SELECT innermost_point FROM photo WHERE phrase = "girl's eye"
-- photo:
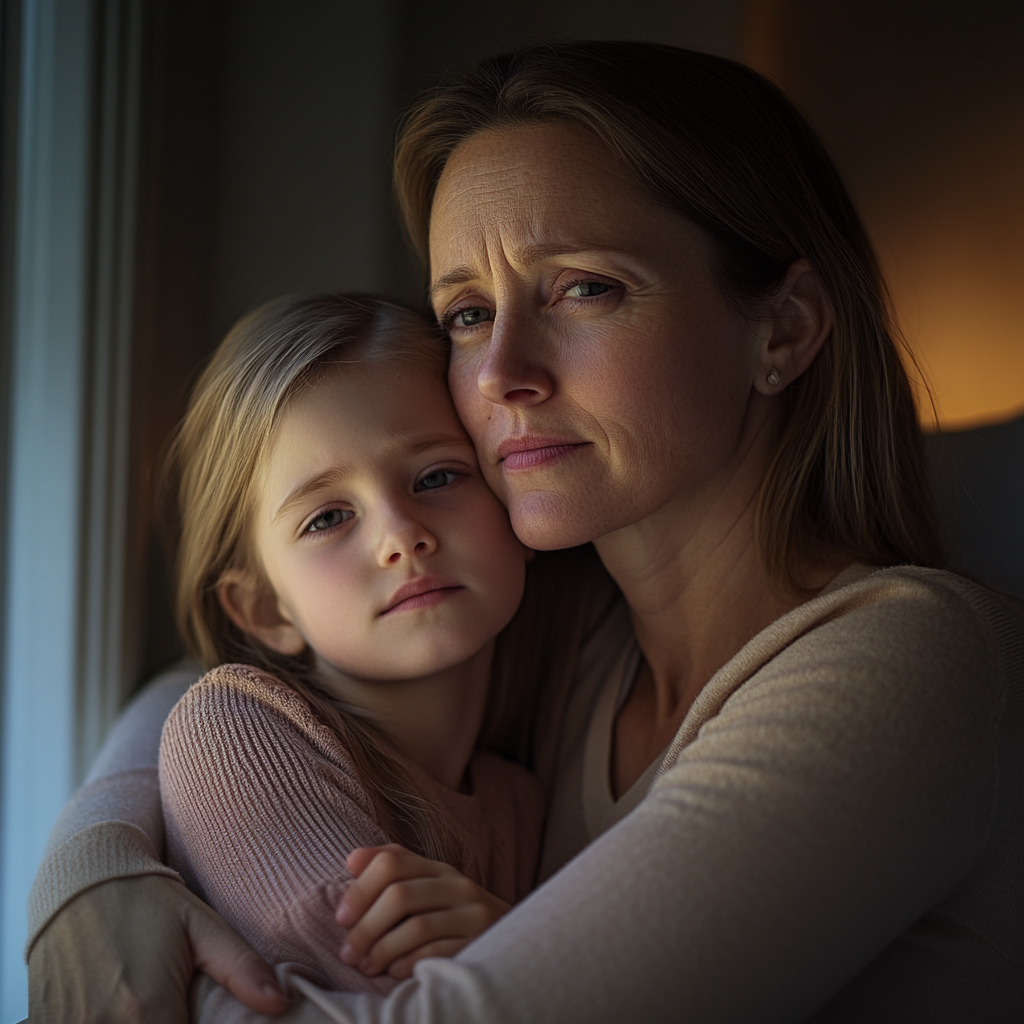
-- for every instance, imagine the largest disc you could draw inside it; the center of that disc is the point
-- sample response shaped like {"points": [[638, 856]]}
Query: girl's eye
{"points": [[587, 289], [326, 520], [471, 316], [439, 478]]}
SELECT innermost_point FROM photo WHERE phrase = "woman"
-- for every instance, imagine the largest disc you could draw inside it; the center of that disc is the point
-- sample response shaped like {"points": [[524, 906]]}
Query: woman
{"points": [[796, 769]]}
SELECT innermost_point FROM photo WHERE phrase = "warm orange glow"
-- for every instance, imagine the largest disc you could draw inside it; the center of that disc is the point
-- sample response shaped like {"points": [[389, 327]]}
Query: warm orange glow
{"points": [[953, 254], [940, 190]]}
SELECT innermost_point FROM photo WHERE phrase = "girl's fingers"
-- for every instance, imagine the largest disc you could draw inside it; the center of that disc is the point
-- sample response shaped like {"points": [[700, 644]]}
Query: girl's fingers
{"points": [[416, 933], [402, 967], [387, 865], [402, 899], [357, 860]]}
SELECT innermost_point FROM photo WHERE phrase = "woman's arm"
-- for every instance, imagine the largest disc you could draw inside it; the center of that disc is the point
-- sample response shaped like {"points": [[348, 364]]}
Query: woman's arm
{"points": [[112, 826], [112, 929], [857, 782]]}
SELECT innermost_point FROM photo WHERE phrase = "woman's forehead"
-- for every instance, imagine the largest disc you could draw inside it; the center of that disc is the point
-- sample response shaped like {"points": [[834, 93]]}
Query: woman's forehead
{"points": [[532, 193], [496, 169], [534, 187]]}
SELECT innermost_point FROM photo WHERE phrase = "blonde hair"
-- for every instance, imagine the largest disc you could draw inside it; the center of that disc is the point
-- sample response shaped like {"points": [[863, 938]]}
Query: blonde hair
{"points": [[714, 142], [214, 465]]}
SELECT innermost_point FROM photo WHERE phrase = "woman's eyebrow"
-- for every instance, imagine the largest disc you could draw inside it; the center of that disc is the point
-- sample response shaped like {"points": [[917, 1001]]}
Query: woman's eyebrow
{"points": [[460, 275], [535, 253], [525, 256]]}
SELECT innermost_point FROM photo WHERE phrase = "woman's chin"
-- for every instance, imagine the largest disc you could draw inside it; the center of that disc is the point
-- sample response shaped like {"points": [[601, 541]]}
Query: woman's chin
{"points": [[548, 522]]}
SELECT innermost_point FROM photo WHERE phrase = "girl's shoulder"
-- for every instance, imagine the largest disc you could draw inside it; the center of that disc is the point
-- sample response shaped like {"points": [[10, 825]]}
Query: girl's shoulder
{"points": [[245, 682], [247, 707]]}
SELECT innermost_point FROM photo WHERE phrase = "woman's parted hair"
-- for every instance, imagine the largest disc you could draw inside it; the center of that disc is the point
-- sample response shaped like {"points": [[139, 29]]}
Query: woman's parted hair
{"points": [[214, 466], [714, 142]]}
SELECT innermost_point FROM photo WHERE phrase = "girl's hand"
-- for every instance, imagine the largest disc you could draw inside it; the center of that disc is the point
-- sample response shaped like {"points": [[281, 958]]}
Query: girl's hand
{"points": [[402, 908]]}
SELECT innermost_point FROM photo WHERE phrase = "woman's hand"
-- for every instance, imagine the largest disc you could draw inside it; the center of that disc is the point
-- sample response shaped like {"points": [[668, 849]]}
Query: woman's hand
{"points": [[124, 952], [402, 908]]}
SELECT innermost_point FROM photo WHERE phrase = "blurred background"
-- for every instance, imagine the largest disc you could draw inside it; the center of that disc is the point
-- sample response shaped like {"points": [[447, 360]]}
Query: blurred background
{"points": [[165, 165]]}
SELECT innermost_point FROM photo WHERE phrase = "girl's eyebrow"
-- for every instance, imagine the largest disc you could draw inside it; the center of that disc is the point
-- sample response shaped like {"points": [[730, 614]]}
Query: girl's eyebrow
{"points": [[396, 445], [307, 487], [424, 444]]}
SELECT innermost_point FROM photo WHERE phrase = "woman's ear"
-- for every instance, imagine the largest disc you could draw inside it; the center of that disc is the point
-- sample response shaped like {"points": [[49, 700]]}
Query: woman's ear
{"points": [[793, 331], [253, 607]]}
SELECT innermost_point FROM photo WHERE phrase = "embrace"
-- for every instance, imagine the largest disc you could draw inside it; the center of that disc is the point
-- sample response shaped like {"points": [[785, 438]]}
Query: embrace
{"points": [[621, 585]]}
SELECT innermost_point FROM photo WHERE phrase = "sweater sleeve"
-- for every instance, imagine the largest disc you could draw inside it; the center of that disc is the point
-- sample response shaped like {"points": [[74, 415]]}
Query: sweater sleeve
{"points": [[262, 806], [112, 827], [861, 776]]}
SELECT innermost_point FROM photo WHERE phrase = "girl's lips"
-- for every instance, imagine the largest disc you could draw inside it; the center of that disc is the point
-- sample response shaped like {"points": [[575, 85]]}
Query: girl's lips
{"points": [[421, 593], [424, 600], [529, 452]]}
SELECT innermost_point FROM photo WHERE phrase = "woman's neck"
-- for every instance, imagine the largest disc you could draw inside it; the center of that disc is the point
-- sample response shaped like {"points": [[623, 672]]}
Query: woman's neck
{"points": [[698, 591], [432, 721]]}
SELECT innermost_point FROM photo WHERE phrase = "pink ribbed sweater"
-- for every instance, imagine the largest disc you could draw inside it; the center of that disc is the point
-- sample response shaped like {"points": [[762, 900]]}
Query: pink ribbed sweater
{"points": [[262, 806]]}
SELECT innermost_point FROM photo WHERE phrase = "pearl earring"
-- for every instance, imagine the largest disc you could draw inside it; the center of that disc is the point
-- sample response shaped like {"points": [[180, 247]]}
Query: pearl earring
{"points": [[774, 377]]}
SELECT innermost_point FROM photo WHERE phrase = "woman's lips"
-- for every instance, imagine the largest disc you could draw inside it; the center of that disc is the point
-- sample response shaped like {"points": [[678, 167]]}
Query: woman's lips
{"points": [[421, 593], [530, 452]]}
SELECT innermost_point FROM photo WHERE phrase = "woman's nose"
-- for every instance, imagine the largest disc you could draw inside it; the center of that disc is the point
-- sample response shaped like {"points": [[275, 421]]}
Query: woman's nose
{"points": [[514, 366]]}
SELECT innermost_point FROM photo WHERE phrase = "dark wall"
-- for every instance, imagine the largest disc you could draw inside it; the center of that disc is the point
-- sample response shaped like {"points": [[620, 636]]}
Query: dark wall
{"points": [[922, 103]]}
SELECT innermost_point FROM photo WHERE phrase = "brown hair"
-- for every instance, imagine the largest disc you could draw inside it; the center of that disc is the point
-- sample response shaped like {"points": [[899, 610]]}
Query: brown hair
{"points": [[717, 144], [214, 465]]}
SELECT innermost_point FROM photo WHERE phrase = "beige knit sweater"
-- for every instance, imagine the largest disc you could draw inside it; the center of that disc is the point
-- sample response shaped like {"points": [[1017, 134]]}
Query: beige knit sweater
{"points": [[836, 834], [262, 806]]}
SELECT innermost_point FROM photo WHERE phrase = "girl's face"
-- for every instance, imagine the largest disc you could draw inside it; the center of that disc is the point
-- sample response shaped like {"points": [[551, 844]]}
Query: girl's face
{"points": [[594, 361], [384, 546]]}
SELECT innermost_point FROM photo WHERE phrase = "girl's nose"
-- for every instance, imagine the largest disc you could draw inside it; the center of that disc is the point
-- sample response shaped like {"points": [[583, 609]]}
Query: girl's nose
{"points": [[405, 537]]}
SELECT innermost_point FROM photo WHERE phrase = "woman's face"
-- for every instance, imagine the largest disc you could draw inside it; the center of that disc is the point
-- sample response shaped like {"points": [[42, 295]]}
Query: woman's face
{"points": [[595, 363]]}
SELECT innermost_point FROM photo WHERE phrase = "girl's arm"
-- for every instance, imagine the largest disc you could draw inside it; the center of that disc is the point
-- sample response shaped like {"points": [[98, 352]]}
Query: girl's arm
{"points": [[111, 928], [269, 822], [263, 809]]}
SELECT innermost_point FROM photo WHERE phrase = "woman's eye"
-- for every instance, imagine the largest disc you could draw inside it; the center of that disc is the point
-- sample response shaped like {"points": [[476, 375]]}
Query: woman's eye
{"points": [[587, 289], [472, 316], [326, 520], [439, 478]]}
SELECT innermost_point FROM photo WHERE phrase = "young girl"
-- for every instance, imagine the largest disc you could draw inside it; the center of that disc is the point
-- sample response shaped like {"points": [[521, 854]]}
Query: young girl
{"points": [[343, 562]]}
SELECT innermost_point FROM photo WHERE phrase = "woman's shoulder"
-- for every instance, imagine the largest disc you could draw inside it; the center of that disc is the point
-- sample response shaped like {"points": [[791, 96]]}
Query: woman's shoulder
{"points": [[913, 649], [921, 653], [927, 609]]}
